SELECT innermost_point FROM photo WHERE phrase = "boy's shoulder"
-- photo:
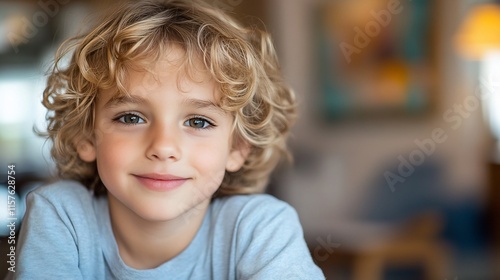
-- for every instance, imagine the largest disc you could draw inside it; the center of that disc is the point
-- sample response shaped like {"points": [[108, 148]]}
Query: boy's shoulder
{"points": [[63, 191], [63, 187], [253, 207], [249, 200]]}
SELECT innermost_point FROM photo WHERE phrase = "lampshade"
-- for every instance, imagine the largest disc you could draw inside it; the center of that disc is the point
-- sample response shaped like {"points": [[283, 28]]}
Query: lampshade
{"points": [[480, 32]]}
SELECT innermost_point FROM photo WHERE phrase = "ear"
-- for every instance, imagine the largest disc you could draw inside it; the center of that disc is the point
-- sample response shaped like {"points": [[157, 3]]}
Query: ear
{"points": [[86, 150], [237, 157]]}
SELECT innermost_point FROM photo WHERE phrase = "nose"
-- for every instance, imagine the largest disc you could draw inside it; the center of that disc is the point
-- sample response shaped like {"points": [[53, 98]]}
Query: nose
{"points": [[164, 143]]}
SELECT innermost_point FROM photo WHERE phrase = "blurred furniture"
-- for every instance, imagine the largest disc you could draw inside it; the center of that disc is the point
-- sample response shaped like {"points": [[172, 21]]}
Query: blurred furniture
{"points": [[415, 209], [392, 232], [417, 244], [414, 249]]}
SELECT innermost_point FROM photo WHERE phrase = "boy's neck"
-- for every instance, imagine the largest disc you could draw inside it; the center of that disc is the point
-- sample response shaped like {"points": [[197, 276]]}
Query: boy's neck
{"points": [[144, 244]]}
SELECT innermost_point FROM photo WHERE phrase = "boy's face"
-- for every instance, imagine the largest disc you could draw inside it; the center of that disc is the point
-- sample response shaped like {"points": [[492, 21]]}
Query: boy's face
{"points": [[162, 153]]}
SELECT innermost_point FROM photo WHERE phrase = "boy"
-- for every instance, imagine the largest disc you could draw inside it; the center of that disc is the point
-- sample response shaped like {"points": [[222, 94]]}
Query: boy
{"points": [[165, 124]]}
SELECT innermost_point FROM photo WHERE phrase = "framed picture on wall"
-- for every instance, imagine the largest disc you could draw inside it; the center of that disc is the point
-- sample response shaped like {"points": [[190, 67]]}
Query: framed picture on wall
{"points": [[375, 58]]}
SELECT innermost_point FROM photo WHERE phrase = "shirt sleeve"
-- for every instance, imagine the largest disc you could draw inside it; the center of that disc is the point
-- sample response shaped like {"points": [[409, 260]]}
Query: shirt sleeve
{"points": [[272, 244], [47, 247]]}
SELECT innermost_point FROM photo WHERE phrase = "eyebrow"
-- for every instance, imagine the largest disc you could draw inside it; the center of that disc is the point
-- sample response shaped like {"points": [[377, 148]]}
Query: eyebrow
{"points": [[204, 104], [196, 103], [124, 99]]}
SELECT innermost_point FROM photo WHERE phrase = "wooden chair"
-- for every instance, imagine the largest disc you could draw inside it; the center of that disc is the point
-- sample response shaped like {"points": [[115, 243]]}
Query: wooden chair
{"points": [[417, 244]]}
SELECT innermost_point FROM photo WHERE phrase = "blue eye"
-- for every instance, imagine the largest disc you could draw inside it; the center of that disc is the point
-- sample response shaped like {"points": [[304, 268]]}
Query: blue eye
{"points": [[130, 119], [198, 123]]}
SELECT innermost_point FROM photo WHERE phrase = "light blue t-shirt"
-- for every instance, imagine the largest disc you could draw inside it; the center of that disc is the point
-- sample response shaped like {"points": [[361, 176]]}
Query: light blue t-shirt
{"points": [[67, 234]]}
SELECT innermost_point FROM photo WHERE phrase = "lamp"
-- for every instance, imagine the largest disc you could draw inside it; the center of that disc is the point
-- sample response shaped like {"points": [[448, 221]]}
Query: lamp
{"points": [[480, 32]]}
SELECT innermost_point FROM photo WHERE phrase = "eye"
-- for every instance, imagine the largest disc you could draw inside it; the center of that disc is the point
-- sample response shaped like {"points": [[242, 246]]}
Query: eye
{"points": [[198, 123], [130, 119]]}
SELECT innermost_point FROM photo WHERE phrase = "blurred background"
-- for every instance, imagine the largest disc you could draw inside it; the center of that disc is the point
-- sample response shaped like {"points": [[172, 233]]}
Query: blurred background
{"points": [[397, 163]]}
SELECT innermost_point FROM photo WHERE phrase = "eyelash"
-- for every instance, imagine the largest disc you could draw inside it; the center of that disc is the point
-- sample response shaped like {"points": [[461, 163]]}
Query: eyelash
{"points": [[119, 119], [208, 124]]}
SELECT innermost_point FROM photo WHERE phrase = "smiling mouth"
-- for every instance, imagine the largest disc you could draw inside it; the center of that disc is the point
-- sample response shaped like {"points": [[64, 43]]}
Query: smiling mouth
{"points": [[157, 182]]}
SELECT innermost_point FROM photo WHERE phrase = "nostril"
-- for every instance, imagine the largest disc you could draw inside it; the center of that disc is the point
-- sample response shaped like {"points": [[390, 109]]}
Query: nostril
{"points": [[164, 140]]}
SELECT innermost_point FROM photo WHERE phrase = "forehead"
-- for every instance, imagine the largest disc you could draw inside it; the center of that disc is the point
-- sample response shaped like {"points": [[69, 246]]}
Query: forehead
{"points": [[175, 62], [175, 67]]}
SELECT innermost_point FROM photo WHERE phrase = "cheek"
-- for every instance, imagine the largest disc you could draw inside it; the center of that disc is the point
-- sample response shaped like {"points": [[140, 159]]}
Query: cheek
{"points": [[113, 154], [210, 161], [210, 155]]}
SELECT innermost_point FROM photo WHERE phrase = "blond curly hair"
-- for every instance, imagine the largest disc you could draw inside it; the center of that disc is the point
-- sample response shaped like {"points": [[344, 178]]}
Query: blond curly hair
{"points": [[242, 61]]}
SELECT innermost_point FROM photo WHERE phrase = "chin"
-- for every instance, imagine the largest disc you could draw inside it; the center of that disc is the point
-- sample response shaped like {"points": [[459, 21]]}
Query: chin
{"points": [[159, 215]]}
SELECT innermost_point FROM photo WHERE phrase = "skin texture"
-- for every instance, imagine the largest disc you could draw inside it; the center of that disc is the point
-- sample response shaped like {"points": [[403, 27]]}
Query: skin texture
{"points": [[170, 127]]}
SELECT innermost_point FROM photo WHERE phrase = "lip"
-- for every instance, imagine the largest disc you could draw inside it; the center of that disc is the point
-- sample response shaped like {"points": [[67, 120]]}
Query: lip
{"points": [[160, 182]]}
